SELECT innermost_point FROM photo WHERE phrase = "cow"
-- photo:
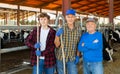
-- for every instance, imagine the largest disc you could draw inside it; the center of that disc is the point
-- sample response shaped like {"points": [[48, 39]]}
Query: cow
{"points": [[4, 37], [1, 39], [107, 50], [114, 35], [12, 35], [22, 35]]}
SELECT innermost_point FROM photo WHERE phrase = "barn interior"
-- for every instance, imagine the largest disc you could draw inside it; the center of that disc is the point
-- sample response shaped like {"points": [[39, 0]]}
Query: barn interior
{"points": [[18, 16]]}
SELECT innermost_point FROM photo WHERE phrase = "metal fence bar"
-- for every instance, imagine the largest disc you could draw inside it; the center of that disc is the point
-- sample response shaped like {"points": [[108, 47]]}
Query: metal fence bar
{"points": [[6, 50]]}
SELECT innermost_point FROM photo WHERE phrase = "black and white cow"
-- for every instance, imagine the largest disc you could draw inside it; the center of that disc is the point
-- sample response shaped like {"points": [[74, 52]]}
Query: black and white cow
{"points": [[1, 39], [107, 50], [13, 36], [3, 36], [114, 35], [23, 35]]}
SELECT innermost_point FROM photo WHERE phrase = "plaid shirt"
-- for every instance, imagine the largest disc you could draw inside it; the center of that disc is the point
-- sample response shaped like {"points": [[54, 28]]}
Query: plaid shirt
{"points": [[49, 50], [70, 42]]}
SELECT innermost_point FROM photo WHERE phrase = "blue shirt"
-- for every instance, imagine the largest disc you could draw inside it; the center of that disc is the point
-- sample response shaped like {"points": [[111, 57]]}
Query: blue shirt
{"points": [[91, 46]]}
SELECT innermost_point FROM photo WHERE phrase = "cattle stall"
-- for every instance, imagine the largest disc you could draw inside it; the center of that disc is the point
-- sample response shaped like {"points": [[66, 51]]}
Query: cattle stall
{"points": [[14, 54]]}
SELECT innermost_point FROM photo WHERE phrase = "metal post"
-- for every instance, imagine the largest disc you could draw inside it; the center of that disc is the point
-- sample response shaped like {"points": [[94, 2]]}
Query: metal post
{"points": [[111, 11], [18, 15], [81, 21], [66, 4], [0, 54]]}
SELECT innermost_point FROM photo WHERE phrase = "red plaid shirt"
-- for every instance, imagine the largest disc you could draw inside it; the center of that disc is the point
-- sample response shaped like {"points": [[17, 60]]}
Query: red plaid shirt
{"points": [[49, 52]]}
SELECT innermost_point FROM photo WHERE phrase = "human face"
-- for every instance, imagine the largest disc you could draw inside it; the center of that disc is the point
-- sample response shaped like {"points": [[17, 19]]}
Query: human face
{"points": [[43, 21], [70, 19], [91, 27]]}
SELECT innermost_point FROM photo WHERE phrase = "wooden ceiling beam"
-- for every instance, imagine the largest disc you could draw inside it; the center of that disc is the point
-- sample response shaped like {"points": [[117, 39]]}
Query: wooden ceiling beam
{"points": [[60, 7], [19, 2], [15, 2], [116, 2], [76, 1], [57, 8], [81, 6], [89, 3], [45, 4], [117, 12]]}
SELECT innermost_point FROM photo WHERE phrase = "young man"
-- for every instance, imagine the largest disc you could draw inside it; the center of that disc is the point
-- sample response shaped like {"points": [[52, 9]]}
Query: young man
{"points": [[46, 46], [70, 35], [91, 45]]}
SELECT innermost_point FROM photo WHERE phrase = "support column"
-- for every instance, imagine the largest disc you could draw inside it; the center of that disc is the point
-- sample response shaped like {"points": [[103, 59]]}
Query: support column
{"points": [[15, 19], [111, 12], [66, 4], [38, 18], [0, 54], [18, 15], [35, 18], [27, 17], [40, 10], [23, 18], [8, 19], [81, 21], [56, 13], [5, 19]]}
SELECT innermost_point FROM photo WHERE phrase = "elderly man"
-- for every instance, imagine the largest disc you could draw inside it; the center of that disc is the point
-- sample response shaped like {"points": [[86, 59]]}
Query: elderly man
{"points": [[71, 33], [91, 45]]}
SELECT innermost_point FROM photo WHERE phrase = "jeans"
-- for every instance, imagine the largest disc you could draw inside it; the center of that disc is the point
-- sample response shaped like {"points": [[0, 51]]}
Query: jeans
{"points": [[42, 69], [70, 66], [92, 67]]}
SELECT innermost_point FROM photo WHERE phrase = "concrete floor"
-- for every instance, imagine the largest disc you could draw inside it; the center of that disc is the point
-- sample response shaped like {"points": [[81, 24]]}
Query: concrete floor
{"points": [[109, 67]]}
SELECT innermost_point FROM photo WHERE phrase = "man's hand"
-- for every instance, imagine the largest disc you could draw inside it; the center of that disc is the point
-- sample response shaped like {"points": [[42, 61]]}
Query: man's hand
{"points": [[59, 32], [37, 45], [38, 52], [76, 60]]}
